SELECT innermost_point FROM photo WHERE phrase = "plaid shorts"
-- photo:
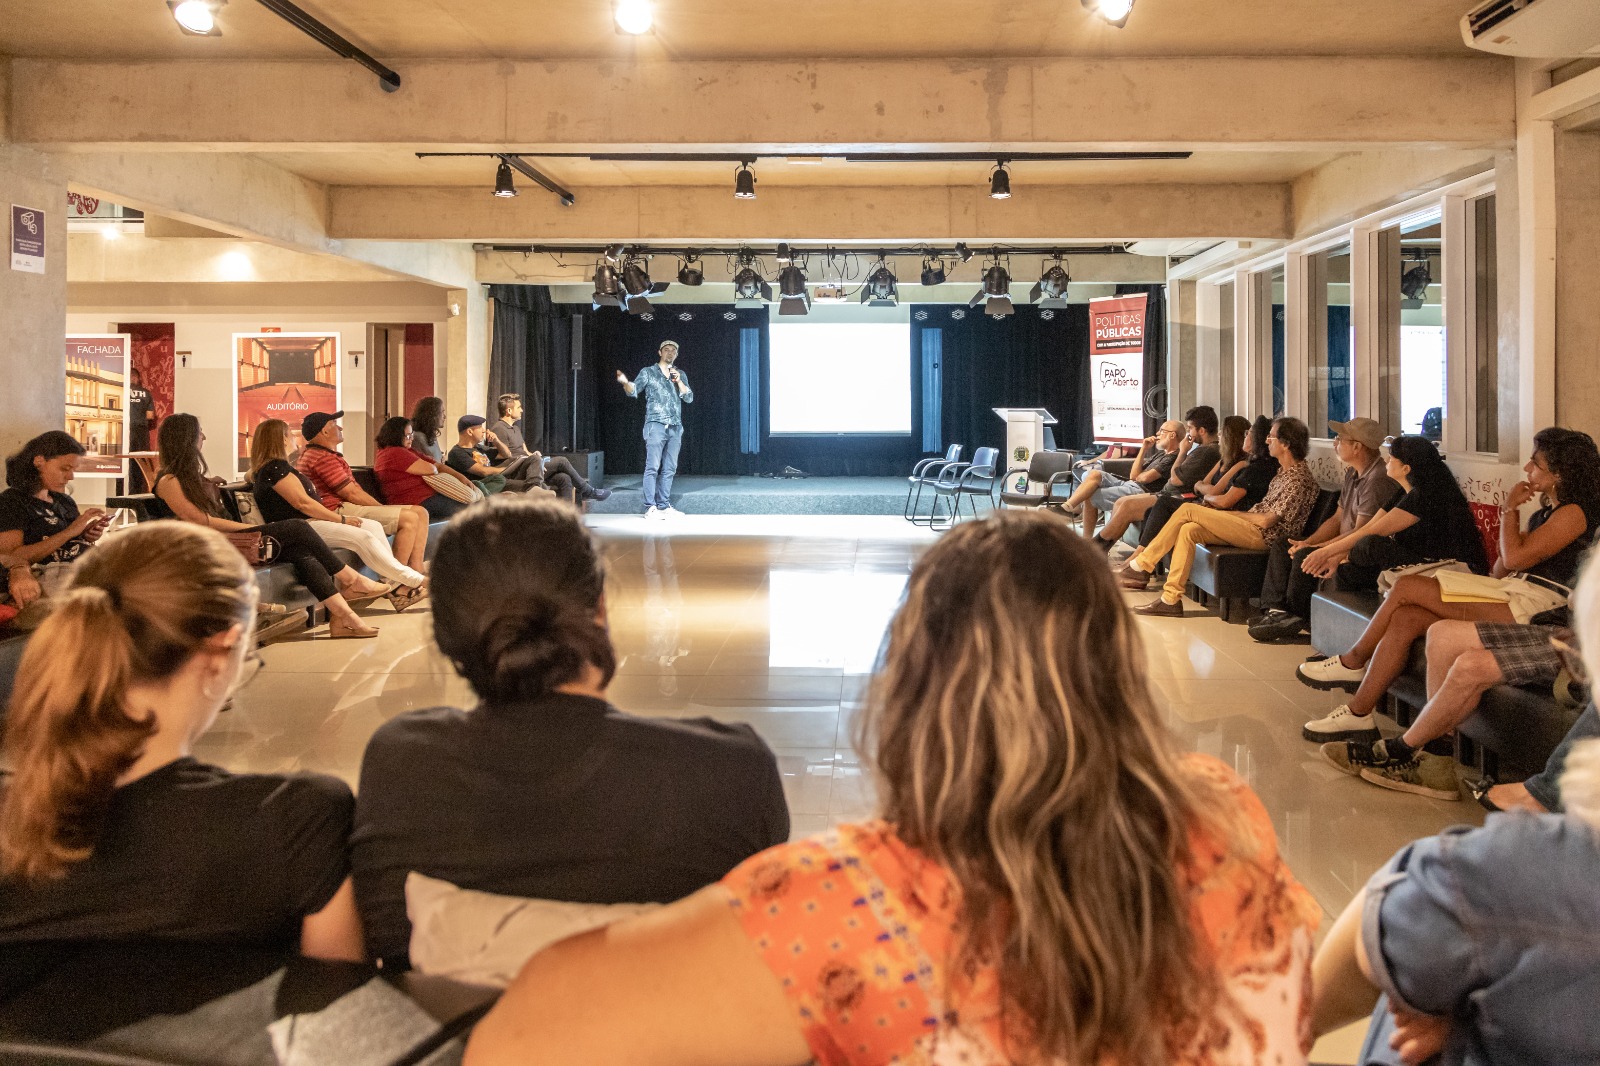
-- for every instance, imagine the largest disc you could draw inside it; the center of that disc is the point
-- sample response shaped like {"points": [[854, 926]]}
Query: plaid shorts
{"points": [[1524, 654]]}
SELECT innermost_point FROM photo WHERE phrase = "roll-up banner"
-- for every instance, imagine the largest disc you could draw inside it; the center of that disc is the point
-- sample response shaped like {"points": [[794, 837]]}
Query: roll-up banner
{"points": [[1116, 377], [97, 400], [283, 375]]}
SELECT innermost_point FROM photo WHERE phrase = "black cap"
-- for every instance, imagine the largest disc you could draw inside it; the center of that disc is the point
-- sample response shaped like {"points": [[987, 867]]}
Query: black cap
{"points": [[316, 421], [465, 422]]}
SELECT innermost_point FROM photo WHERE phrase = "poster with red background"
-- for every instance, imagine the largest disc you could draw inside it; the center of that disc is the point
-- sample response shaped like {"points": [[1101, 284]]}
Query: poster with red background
{"points": [[285, 376], [1116, 375]]}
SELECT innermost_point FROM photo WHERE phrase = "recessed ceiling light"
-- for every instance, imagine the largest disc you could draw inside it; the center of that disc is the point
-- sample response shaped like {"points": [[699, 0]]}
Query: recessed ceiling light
{"points": [[1115, 12], [633, 16], [197, 18]]}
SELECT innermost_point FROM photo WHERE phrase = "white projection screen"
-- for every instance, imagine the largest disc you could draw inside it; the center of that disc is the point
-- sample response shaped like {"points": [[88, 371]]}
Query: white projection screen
{"points": [[841, 369]]}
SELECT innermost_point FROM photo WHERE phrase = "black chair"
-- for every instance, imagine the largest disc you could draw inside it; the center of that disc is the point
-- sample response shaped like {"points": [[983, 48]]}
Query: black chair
{"points": [[964, 481], [926, 472], [1048, 469]]}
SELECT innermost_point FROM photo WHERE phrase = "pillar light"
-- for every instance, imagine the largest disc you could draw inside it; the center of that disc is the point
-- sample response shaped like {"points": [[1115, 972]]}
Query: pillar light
{"points": [[504, 186], [744, 182], [197, 18], [1000, 181]]}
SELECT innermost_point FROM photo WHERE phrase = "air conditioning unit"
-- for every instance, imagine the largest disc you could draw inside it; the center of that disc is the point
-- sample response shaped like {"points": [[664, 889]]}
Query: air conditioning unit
{"points": [[1543, 29]]}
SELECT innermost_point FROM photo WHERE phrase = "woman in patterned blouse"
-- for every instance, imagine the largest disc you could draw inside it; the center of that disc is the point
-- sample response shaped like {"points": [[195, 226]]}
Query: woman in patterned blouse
{"points": [[1049, 880]]}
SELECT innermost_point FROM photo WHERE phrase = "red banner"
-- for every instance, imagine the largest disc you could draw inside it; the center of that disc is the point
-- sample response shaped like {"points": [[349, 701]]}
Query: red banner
{"points": [[1116, 367], [285, 376]]}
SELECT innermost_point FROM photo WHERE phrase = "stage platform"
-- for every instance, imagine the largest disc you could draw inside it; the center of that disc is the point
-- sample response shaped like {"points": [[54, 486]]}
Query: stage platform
{"points": [[764, 495]]}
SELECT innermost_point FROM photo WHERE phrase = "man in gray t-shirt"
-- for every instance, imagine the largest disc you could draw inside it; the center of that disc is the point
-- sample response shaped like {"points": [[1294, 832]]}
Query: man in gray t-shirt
{"points": [[556, 470]]}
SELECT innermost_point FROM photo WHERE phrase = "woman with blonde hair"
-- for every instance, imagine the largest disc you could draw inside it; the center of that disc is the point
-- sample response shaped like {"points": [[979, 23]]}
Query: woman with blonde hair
{"points": [[1049, 879], [109, 828], [1483, 940], [284, 494]]}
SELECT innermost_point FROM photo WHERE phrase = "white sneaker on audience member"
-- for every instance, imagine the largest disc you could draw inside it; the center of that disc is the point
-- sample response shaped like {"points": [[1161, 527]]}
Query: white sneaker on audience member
{"points": [[1330, 673], [1341, 725]]}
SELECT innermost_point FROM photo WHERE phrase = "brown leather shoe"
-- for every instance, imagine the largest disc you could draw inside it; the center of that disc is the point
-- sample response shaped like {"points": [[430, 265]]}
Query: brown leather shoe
{"points": [[1160, 608], [1129, 578]]}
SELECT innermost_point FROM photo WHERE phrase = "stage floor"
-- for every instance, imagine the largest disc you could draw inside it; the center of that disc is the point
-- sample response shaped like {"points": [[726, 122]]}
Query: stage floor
{"points": [[764, 495]]}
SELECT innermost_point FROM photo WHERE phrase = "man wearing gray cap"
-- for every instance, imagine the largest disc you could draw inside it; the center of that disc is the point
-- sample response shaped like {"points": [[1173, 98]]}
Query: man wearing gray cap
{"points": [[665, 389]]}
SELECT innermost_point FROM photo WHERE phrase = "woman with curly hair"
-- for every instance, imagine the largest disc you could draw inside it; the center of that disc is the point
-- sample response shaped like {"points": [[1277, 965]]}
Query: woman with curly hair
{"points": [[1535, 572]]}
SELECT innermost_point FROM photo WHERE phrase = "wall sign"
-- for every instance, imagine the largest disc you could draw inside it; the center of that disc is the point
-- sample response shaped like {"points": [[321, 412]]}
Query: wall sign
{"points": [[27, 239], [1116, 374], [97, 400]]}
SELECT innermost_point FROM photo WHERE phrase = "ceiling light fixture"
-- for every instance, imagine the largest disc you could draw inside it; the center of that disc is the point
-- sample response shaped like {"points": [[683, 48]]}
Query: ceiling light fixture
{"points": [[504, 185], [794, 299], [1051, 288], [1115, 12], [633, 16], [331, 39], [637, 285], [963, 252], [197, 18], [784, 256], [1000, 181], [1414, 285], [607, 289], [932, 270], [881, 289], [748, 284], [613, 252], [744, 181], [689, 271], [996, 292]]}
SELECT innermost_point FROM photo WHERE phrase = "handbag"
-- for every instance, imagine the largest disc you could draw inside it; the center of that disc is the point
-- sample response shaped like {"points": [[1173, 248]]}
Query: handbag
{"points": [[1387, 579], [257, 548], [453, 488]]}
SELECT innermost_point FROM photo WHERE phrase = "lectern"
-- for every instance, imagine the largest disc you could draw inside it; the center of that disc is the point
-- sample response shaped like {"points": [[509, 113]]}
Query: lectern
{"points": [[1024, 436]]}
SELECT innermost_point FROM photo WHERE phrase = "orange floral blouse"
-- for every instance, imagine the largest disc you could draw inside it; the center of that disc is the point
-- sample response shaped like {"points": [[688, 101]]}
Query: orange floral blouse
{"points": [[859, 929]]}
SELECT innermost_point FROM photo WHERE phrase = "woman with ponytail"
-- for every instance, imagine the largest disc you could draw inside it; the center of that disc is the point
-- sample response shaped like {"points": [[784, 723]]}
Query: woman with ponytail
{"points": [[1050, 881], [544, 789], [109, 828]]}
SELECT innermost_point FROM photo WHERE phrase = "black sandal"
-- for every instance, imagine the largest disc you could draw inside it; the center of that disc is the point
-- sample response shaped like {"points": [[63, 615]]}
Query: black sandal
{"points": [[1480, 792]]}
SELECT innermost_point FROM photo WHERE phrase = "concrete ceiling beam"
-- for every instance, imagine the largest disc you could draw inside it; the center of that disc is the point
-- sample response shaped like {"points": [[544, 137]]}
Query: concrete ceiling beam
{"points": [[1354, 185], [791, 106], [859, 216]]}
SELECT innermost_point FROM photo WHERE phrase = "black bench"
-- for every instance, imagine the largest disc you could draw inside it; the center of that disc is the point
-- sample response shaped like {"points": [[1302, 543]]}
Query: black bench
{"points": [[1233, 576]]}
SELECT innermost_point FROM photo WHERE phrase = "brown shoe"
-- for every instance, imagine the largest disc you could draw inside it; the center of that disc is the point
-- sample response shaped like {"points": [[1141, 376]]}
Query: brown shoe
{"points": [[1160, 608], [1136, 580]]}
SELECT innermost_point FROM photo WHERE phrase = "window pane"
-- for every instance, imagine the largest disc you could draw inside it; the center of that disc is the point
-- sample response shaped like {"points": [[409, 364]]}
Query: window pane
{"points": [[1331, 341], [1276, 282], [1416, 377], [1484, 319]]}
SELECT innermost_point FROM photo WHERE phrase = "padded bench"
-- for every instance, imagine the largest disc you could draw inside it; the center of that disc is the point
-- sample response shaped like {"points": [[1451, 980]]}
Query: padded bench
{"points": [[1233, 576], [1514, 728]]}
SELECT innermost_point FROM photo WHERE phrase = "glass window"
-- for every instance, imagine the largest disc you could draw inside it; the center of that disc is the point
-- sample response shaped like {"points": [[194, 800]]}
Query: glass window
{"points": [[1483, 320], [1226, 359], [1411, 352], [1331, 339]]}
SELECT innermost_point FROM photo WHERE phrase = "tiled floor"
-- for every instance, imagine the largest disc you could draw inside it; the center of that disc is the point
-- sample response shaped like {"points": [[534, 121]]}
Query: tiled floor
{"points": [[775, 622]]}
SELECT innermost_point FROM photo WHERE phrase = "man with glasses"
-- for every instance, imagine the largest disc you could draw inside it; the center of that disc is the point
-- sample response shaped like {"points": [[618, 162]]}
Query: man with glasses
{"points": [[1286, 592]]}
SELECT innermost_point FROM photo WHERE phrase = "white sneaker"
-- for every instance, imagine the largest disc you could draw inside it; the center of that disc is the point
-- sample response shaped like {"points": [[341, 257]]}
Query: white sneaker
{"points": [[653, 513], [1341, 725], [1330, 673], [670, 512]]}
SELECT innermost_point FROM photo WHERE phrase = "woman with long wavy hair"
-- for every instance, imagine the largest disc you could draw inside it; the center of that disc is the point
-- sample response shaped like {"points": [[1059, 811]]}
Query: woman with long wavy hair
{"points": [[1049, 880]]}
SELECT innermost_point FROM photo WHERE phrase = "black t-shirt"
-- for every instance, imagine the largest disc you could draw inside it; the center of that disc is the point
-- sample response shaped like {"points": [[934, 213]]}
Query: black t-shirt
{"points": [[464, 459], [273, 507], [1562, 567], [562, 798], [1444, 529], [140, 408], [1256, 476], [39, 519], [1161, 462], [192, 852], [1194, 466]]}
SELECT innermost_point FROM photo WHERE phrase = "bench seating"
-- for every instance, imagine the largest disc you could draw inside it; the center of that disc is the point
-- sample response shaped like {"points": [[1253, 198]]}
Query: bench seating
{"points": [[1513, 730]]}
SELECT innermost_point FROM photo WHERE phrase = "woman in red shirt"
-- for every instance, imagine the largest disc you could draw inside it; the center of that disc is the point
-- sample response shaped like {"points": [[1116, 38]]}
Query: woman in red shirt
{"points": [[401, 471]]}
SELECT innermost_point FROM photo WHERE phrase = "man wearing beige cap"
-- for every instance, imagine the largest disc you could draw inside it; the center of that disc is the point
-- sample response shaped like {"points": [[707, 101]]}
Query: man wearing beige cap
{"points": [[1286, 592], [665, 389]]}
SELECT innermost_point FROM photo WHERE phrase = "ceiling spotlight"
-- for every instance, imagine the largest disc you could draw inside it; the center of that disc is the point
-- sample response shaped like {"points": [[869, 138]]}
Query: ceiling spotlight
{"points": [[784, 256], [613, 252], [1000, 181], [932, 270], [963, 252], [1414, 285], [503, 185], [1051, 288], [633, 16], [197, 18], [607, 289], [880, 289], [792, 290], [748, 284], [689, 271], [1115, 12], [996, 292], [637, 285], [744, 182]]}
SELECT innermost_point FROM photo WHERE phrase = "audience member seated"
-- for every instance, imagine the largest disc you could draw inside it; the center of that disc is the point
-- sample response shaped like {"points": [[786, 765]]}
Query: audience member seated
{"points": [[1483, 940], [556, 470], [402, 473], [1288, 587], [1196, 456], [284, 494], [109, 828], [1535, 570], [427, 423], [41, 529], [1238, 482], [1049, 880], [1281, 513], [334, 483], [1099, 489], [1230, 460], [192, 496], [471, 457], [545, 790], [1541, 793]]}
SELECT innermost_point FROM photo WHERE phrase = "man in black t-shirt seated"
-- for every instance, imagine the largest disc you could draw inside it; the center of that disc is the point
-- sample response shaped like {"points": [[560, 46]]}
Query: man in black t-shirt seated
{"points": [[471, 456]]}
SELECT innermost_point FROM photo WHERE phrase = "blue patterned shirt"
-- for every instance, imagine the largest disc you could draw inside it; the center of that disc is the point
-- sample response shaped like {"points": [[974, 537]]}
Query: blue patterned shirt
{"points": [[661, 400]]}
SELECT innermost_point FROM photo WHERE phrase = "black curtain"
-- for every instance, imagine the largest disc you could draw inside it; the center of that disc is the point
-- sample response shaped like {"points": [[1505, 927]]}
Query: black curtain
{"points": [[1034, 357], [530, 353], [1155, 353]]}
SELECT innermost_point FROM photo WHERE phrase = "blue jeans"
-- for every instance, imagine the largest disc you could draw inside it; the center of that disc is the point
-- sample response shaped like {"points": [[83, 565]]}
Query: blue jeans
{"points": [[661, 443], [1545, 786]]}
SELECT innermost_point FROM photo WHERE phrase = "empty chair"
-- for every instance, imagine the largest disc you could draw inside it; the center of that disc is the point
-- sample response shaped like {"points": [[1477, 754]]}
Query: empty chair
{"points": [[926, 472], [972, 480], [1047, 469]]}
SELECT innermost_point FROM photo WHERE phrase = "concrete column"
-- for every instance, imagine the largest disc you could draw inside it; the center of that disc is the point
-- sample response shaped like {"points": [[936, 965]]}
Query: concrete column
{"points": [[1577, 279], [33, 306], [466, 388], [1536, 263], [1183, 356]]}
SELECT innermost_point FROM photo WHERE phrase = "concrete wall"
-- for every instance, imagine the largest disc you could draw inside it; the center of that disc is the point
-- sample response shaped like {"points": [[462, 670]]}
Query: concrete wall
{"points": [[33, 307], [1578, 281]]}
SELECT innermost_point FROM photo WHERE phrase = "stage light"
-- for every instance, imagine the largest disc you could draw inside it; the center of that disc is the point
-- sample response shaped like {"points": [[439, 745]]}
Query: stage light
{"points": [[689, 272], [607, 290], [503, 184], [197, 18], [633, 16], [1051, 288], [637, 285], [744, 182], [996, 292], [613, 252], [1000, 182], [963, 252], [784, 256], [932, 270], [748, 285], [1414, 285], [1115, 12], [794, 300], [881, 289]]}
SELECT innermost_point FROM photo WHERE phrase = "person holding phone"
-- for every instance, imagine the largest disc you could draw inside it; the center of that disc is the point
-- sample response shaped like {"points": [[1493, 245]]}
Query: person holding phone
{"points": [[41, 528], [665, 389]]}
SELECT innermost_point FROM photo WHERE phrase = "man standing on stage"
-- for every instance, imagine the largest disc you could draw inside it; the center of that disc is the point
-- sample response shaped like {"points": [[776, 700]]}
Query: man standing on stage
{"points": [[665, 389]]}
